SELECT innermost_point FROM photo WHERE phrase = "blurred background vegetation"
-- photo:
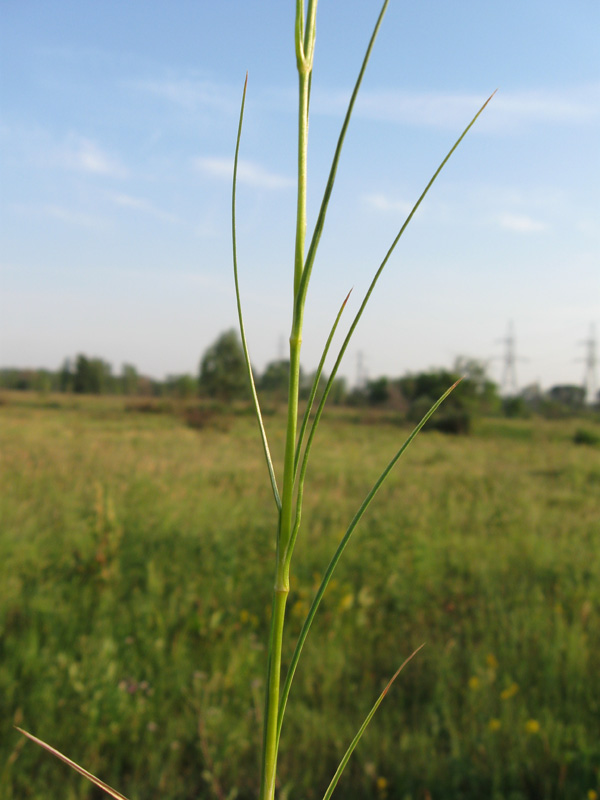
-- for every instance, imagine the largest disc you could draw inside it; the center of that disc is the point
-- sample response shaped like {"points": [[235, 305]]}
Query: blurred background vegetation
{"points": [[136, 555], [222, 377]]}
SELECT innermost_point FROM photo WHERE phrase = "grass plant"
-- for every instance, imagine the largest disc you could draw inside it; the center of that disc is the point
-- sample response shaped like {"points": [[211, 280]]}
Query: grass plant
{"points": [[299, 436], [300, 430]]}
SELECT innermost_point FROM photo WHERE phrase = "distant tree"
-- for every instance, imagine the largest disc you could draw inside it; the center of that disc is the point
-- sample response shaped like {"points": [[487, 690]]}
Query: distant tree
{"points": [[516, 407], [129, 379], [92, 375], [307, 382], [182, 386], [223, 369], [339, 391], [426, 387], [568, 395], [44, 381], [39, 380], [481, 390], [423, 389], [564, 400], [275, 378], [378, 391], [7, 378], [357, 396], [65, 376], [83, 382]]}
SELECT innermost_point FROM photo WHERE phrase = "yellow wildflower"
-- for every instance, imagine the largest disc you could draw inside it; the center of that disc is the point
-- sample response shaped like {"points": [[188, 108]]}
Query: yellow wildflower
{"points": [[346, 602], [592, 794], [381, 784], [509, 692], [491, 661], [494, 724], [474, 683], [300, 608], [532, 726]]}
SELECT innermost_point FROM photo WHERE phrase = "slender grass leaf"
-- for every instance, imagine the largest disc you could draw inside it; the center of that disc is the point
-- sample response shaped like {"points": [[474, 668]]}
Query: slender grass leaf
{"points": [[340, 549], [363, 727], [261, 426], [318, 230], [318, 373], [92, 778], [369, 292]]}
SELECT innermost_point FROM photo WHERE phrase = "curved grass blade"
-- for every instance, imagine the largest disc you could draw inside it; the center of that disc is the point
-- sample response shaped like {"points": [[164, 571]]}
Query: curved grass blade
{"points": [[263, 433], [369, 292], [315, 385], [316, 237], [363, 727], [92, 778], [340, 549]]}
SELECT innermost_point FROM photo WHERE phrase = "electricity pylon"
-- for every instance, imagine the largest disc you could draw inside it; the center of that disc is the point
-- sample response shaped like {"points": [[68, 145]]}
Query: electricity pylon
{"points": [[591, 361], [509, 371]]}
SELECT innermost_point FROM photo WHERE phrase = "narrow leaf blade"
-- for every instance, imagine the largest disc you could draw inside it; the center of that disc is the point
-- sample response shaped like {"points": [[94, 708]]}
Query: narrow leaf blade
{"points": [[315, 385], [263, 433], [363, 727], [92, 778], [381, 267], [340, 549], [320, 223], [369, 292]]}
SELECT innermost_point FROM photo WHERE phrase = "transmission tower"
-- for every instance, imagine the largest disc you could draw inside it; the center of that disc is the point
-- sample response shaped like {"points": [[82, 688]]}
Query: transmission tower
{"points": [[509, 371], [591, 361], [361, 372]]}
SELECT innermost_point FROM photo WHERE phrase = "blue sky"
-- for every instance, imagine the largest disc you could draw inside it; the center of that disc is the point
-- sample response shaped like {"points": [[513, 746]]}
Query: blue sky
{"points": [[117, 135]]}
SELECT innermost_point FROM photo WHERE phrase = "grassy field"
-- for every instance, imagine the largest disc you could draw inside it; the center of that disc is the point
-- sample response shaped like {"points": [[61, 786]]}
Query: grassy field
{"points": [[135, 568]]}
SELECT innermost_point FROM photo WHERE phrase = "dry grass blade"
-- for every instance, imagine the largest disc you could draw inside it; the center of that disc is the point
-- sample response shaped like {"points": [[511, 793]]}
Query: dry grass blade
{"points": [[92, 778]]}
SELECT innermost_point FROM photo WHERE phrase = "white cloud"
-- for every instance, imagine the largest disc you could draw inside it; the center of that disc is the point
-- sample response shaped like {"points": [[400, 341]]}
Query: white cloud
{"points": [[383, 203], [521, 223], [508, 110], [83, 154], [191, 93], [139, 204], [248, 172], [62, 214], [577, 106]]}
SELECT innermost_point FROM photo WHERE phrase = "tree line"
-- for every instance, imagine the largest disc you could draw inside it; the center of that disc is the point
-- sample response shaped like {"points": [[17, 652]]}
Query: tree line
{"points": [[222, 377]]}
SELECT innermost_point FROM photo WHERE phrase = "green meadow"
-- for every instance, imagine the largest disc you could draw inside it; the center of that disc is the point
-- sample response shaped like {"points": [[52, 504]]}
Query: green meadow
{"points": [[136, 552]]}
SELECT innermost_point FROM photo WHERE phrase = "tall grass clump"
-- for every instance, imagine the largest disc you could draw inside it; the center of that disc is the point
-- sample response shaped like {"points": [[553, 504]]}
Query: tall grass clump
{"points": [[300, 428]]}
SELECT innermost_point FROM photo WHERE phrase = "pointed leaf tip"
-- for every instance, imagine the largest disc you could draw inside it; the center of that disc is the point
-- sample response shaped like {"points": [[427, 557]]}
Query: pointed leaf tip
{"points": [[361, 730], [400, 668], [92, 778]]}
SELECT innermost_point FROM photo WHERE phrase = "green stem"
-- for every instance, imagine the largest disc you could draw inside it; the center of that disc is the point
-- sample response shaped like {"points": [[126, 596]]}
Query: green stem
{"points": [[305, 38], [271, 739], [303, 97], [287, 496]]}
